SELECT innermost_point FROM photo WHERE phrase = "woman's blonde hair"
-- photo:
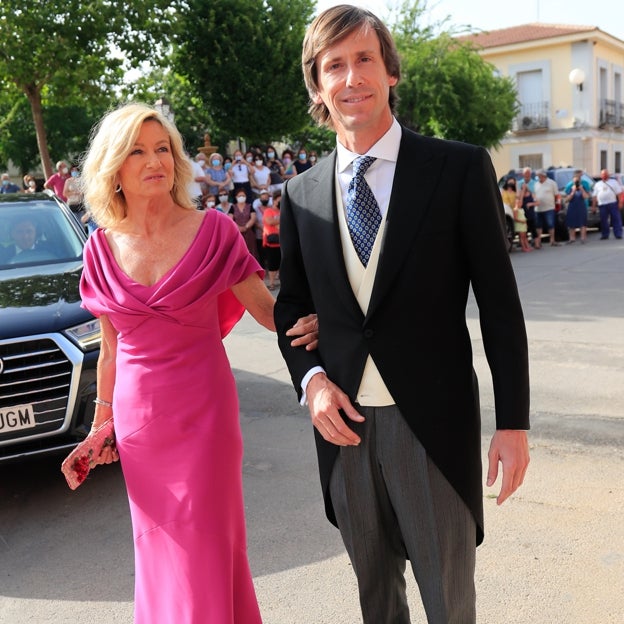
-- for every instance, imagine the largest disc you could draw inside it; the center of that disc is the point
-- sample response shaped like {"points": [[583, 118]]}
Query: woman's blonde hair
{"points": [[112, 140], [329, 28]]}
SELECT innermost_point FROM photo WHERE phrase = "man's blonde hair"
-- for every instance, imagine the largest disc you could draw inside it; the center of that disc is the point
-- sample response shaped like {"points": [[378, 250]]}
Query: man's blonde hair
{"points": [[329, 28], [112, 140]]}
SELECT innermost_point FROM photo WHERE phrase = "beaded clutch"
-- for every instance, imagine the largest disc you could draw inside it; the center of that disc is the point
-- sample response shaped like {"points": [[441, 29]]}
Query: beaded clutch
{"points": [[89, 453]]}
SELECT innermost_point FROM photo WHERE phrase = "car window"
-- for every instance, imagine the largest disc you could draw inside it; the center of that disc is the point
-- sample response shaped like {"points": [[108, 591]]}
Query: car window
{"points": [[36, 233]]}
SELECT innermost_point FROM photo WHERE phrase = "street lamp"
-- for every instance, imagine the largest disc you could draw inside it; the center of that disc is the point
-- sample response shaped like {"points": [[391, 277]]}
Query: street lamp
{"points": [[577, 77], [163, 106]]}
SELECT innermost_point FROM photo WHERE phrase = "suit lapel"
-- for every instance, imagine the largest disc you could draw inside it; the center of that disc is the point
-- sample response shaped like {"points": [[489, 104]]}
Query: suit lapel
{"points": [[417, 173]]}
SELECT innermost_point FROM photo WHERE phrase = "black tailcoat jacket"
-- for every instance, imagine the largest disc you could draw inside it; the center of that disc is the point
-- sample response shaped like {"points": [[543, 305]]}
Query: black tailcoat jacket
{"points": [[443, 233]]}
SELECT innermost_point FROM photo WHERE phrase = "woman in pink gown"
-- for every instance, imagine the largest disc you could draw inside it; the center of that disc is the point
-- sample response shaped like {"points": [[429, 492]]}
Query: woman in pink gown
{"points": [[168, 283]]}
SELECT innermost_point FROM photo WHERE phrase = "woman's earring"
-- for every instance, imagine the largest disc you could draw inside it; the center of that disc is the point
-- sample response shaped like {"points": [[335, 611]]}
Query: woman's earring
{"points": [[118, 189]]}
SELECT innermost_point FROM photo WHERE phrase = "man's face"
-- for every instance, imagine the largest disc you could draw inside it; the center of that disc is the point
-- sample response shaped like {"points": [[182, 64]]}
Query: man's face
{"points": [[24, 234], [354, 85], [604, 175], [526, 175]]}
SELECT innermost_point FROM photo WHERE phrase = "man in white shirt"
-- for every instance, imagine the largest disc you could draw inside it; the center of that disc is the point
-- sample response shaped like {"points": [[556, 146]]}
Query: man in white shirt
{"points": [[546, 194], [605, 195], [391, 388], [195, 189]]}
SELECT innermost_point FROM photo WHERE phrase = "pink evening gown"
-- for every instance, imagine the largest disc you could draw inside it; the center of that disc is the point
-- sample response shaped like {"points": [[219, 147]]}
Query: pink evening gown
{"points": [[177, 425]]}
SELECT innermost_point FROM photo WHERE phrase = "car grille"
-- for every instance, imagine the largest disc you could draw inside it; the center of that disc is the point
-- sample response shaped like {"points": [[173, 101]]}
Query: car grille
{"points": [[39, 373]]}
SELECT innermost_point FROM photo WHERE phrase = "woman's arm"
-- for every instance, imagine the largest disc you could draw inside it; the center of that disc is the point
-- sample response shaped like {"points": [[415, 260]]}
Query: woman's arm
{"points": [[257, 299], [106, 371]]}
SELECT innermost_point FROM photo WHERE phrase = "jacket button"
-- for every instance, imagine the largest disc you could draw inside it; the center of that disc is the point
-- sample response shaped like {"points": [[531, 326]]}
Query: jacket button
{"points": [[368, 333]]}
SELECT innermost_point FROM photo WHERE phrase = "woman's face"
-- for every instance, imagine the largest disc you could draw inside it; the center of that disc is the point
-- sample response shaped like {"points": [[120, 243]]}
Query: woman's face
{"points": [[148, 170]]}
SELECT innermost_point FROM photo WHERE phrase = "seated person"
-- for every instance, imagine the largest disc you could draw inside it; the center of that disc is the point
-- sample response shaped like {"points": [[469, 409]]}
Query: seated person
{"points": [[24, 236]]}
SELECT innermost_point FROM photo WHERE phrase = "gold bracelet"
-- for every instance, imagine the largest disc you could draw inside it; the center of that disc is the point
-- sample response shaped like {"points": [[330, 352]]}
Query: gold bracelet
{"points": [[99, 401]]}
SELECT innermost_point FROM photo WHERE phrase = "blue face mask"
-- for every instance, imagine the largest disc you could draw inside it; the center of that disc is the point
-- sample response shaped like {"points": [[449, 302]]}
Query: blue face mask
{"points": [[5, 183], [227, 166], [302, 156], [74, 174], [216, 162]]}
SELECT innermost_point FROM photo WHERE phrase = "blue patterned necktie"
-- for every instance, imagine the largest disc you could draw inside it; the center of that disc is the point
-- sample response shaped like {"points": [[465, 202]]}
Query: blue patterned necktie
{"points": [[363, 215]]}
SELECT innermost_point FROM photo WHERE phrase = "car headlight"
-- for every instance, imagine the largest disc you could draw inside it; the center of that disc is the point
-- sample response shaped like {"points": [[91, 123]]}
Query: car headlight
{"points": [[86, 335]]}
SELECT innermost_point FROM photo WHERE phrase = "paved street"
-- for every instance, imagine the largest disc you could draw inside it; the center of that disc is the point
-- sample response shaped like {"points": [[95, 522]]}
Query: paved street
{"points": [[553, 554]]}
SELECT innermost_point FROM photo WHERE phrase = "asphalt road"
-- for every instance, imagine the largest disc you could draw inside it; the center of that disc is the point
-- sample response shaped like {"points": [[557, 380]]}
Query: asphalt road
{"points": [[553, 554]]}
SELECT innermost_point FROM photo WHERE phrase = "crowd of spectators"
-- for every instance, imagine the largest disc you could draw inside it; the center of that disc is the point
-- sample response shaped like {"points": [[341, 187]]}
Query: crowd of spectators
{"points": [[534, 201]]}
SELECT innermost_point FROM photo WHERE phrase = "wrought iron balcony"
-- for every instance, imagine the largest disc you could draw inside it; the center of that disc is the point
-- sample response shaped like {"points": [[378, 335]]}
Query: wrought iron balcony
{"points": [[532, 117], [611, 113]]}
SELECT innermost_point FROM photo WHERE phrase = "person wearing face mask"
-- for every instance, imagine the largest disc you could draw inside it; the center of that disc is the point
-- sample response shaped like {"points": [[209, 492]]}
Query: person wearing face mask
{"points": [[223, 204], [261, 176], [217, 177], [276, 168], [272, 255], [245, 218], [302, 163], [56, 182], [313, 158], [210, 202], [241, 171], [72, 190], [198, 183], [30, 184], [289, 170], [7, 186], [260, 205]]}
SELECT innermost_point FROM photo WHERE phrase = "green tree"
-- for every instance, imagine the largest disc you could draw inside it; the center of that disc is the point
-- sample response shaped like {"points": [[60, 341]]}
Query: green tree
{"points": [[56, 51], [447, 90], [242, 58]]}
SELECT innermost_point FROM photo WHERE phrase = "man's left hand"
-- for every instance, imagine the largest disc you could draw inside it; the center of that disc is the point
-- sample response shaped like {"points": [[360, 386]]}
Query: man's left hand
{"points": [[511, 448]]}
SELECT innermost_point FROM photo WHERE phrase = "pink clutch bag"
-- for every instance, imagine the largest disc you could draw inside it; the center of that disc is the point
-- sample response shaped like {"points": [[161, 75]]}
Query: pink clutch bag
{"points": [[85, 456]]}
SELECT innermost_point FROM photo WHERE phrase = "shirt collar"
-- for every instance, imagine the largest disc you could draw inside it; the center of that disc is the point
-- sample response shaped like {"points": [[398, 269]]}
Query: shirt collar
{"points": [[387, 148]]}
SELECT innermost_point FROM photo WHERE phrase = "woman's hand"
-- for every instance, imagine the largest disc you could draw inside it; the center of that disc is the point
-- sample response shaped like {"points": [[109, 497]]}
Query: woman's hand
{"points": [[308, 331]]}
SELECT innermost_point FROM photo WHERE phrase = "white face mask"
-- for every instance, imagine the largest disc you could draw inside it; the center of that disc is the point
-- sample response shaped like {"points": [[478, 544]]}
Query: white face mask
{"points": [[258, 163], [64, 170], [210, 204], [223, 198], [241, 199], [249, 159], [271, 154], [32, 184]]}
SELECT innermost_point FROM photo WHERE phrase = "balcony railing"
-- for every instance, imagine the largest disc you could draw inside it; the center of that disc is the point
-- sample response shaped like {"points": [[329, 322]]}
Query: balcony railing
{"points": [[611, 113], [532, 117]]}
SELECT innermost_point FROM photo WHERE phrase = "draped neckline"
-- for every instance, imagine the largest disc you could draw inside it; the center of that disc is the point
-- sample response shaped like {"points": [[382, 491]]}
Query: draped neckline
{"points": [[167, 274]]}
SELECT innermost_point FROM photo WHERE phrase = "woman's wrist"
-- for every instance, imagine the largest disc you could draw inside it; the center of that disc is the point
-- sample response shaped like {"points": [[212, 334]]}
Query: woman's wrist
{"points": [[102, 402]]}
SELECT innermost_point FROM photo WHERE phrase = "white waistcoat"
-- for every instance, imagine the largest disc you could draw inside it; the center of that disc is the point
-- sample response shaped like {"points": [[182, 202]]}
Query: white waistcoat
{"points": [[372, 391]]}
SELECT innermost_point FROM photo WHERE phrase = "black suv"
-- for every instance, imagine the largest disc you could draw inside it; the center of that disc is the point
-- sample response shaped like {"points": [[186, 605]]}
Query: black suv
{"points": [[49, 345]]}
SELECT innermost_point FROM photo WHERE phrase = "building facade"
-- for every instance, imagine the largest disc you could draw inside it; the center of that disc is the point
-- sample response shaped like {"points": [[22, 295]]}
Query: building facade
{"points": [[570, 94]]}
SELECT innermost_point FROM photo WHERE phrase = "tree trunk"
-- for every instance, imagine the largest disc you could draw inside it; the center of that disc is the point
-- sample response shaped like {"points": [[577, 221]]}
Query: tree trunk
{"points": [[33, 93]]}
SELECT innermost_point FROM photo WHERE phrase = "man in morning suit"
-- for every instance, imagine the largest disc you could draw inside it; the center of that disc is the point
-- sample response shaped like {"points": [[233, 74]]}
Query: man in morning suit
{"points": [[383, 247]]}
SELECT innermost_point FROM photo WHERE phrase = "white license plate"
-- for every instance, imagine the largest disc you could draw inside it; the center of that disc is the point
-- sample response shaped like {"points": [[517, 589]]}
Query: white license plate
{"points": [[16, 418]]}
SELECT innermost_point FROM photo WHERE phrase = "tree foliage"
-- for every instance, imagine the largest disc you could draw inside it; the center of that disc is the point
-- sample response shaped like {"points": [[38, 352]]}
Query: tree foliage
{"points": [[59, 51], [447, 90], [242, 58]]}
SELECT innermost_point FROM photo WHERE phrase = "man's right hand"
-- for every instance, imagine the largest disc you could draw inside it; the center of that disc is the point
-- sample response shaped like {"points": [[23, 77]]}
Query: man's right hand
{"points": [[325, 399]]}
